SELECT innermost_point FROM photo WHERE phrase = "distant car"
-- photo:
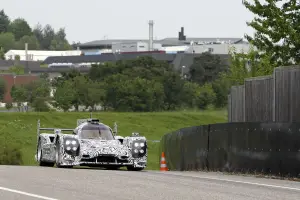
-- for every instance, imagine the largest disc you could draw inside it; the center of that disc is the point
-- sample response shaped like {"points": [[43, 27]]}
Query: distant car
{"points": [[92, 144]]}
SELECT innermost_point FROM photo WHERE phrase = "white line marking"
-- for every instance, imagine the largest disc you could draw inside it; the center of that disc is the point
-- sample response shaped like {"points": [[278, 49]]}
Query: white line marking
{"points": [[234, 181], [253, 183], [26, 194]]}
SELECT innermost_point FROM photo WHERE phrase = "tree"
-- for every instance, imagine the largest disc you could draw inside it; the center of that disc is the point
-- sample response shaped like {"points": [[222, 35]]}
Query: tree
{"points": [[7, 41], [8, 106], [38, 33], [248, 64], [4, 22], [135, 94], [2, 88], [32, 42], [19, 27], [59, 42], [2, 54], [276, 23], [38, 89], [17, 69], [18, 94], [206, 68], [95, 94], [243, 65], [48, 36], [65, 95]]}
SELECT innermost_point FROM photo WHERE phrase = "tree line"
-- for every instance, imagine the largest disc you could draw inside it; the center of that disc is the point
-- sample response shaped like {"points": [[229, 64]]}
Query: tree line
{"points": [[142, 84], [15, 33]]}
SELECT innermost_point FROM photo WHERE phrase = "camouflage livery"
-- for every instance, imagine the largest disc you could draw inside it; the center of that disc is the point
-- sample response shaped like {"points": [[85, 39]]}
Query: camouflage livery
{"points": [[92, 144]]}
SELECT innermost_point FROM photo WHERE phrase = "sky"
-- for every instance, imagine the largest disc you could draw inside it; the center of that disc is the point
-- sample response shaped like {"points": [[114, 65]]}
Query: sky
{"points": [[90, 20]]}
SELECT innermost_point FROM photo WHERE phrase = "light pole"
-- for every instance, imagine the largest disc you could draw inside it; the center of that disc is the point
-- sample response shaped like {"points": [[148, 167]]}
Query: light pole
{"points": [[182, 69]]}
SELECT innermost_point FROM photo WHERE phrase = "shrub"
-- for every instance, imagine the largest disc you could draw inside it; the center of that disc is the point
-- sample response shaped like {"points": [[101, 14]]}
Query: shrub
{"points": [[8, 106], [10, 155]]}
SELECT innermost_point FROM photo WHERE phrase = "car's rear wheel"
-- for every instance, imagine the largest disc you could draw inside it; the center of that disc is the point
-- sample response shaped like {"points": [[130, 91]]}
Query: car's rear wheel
{"points": [[40, 156]]}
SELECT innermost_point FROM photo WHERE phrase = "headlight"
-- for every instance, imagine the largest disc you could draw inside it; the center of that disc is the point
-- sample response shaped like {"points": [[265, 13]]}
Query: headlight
{"points": [[142, 144], [71, 146], [136, 151], [141, 151], [136, 144]]}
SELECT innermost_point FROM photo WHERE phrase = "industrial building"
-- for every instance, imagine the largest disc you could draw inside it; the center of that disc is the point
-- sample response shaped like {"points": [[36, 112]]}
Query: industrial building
{"points": [[168, 45], [34, 55]]}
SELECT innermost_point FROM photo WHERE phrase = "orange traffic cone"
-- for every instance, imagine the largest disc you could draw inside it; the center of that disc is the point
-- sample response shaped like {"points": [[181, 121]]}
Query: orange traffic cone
{"points": [[163, 164]]}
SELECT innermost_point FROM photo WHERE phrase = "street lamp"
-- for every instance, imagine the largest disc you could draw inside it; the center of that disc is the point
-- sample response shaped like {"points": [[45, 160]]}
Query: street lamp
{"points": [[182, 69]]}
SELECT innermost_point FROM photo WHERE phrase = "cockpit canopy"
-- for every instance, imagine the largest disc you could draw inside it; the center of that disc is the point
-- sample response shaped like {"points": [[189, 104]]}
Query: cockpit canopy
{"points": [[96, 131]]}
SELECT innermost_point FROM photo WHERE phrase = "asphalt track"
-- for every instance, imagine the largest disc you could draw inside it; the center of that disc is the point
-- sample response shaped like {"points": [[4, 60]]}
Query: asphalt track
{"points": [[33, 183]]}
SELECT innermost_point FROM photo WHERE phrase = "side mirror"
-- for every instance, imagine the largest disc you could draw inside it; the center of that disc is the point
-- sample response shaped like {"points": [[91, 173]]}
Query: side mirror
{"points": [[115, 131]]}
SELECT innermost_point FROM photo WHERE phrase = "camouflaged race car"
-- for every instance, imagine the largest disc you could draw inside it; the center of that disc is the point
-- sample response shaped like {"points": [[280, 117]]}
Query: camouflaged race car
{"points": [[92, 144]]}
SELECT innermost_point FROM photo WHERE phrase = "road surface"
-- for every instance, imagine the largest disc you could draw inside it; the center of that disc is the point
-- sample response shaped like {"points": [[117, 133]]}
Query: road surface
{"points": [[33, 183]]}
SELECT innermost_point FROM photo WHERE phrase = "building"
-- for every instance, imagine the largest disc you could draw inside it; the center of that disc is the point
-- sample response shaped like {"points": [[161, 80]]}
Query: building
{"points": [[218, 48], [169, 45], [34, 55], [11, 79], [134, 47]]}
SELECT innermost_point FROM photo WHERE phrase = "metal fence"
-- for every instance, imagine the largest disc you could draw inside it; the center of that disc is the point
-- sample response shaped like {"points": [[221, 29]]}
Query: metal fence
{"points": [[268, 98]]}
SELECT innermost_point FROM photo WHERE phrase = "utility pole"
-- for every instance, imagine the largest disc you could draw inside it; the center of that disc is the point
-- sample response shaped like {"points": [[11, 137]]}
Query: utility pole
{"points": [[26, 57]]}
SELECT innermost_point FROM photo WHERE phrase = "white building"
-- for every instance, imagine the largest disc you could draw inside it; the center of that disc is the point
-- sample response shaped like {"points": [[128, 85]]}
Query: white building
{"points": [[34, 55], [134, 47], [175, 49], [218, 48]]}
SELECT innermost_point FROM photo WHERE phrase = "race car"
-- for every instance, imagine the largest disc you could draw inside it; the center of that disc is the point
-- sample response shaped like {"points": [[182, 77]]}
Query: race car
{"points": [[92, 144]]}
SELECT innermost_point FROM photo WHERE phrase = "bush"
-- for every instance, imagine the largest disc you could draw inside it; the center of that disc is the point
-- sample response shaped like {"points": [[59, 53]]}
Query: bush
{"points": [[8, 106], [39, 105], [10, 155], [206, 97]]}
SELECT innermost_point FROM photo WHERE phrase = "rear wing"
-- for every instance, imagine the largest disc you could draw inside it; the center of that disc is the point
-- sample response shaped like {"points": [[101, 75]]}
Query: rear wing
{"points": [[49, 129]]}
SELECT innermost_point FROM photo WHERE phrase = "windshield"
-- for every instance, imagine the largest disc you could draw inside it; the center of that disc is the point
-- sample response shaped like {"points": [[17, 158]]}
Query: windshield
{"points": [[100, 132]]}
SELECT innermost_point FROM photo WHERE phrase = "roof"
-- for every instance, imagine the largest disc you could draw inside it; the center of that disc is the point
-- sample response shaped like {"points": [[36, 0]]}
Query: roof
{"points": [[107, 57], [178, 60], [165, 41], [9, 63], [43, 52]]}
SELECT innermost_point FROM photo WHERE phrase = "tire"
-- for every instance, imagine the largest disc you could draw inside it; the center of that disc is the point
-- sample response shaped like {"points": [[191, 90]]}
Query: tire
{"points": [[57, 157], [131, 168], [39, 157]]}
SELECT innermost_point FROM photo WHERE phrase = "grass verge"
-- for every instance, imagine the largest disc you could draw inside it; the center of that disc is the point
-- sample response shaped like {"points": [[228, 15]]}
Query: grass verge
{"points": [[19, 129]]}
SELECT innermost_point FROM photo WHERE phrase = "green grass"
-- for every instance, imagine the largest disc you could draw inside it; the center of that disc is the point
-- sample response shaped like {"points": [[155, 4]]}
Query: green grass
{"points": [[20, 128]]}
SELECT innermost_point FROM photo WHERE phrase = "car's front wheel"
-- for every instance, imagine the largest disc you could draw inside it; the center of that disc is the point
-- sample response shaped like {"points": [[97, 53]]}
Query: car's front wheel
{"points": [[40, 156], [58, 157]]}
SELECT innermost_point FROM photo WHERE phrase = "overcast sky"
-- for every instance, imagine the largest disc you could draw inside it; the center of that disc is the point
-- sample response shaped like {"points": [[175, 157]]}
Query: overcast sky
{"points": [[87, 20]]}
